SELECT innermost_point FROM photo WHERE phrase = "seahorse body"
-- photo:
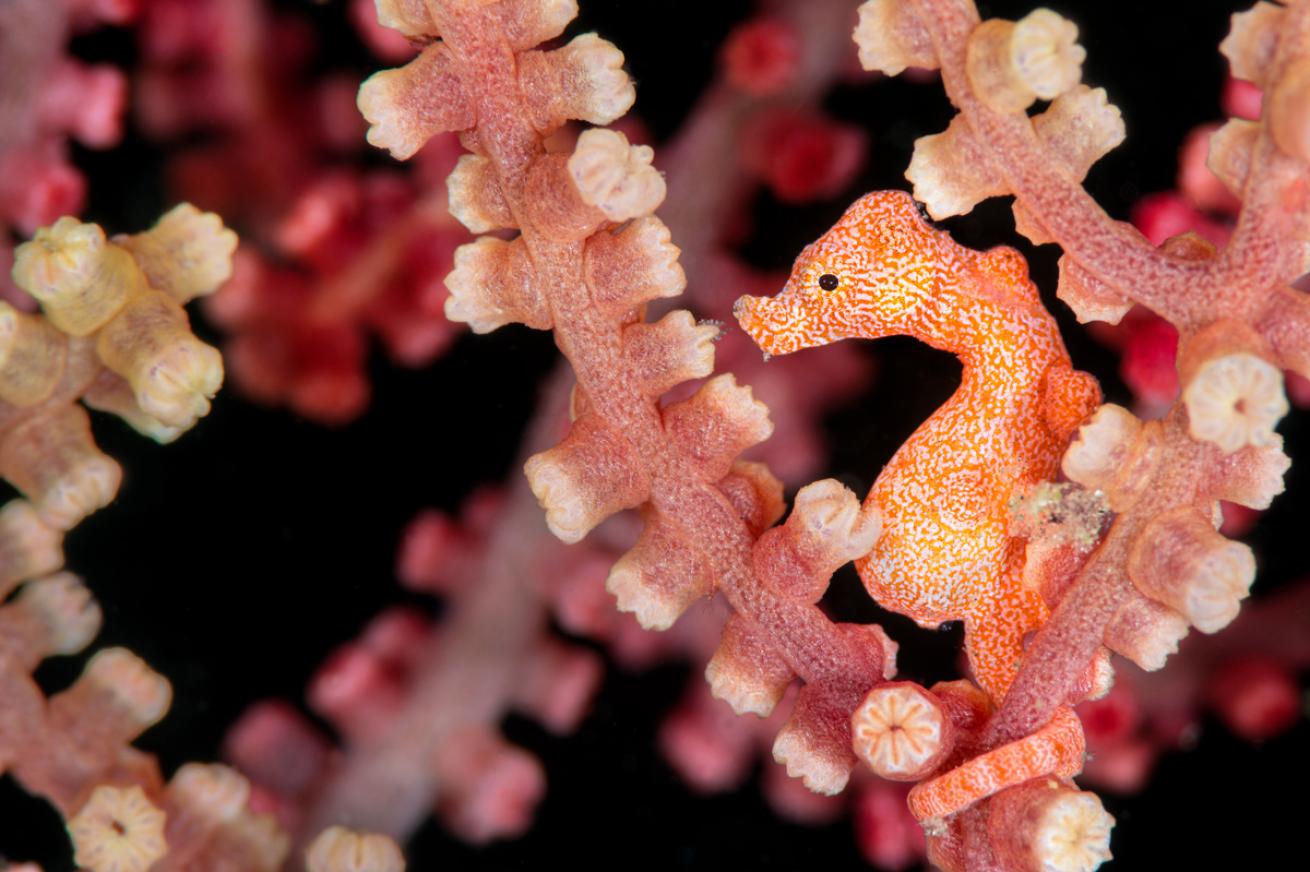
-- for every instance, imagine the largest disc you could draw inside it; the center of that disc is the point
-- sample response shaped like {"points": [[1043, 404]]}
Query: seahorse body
{"points": [[946, 552]]}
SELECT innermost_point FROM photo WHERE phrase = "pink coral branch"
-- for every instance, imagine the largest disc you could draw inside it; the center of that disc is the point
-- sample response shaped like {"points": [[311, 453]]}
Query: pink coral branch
{"points": [[483, 645], [624, 450], [1182, 284]]}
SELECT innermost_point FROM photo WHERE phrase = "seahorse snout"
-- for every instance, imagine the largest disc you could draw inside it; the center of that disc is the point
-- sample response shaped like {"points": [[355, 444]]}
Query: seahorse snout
{"points": [[770, 323]]}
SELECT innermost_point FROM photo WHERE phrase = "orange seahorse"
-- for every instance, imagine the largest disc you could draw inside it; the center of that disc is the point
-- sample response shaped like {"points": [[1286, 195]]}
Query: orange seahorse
{"points": [[946, 551]]}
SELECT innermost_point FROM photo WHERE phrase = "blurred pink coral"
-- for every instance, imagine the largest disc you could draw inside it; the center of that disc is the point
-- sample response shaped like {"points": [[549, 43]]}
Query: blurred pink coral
{"points": [[46, 99], [333, 256], [760, 57], [802, 156], [360, 255]]}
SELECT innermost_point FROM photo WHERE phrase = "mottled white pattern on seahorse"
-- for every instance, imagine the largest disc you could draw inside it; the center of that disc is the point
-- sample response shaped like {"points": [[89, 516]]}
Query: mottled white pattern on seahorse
{"points": [[946, 552]]}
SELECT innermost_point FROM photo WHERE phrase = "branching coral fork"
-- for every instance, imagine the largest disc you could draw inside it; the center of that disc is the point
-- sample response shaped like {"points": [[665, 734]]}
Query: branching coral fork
{"points": [[1239, 321]]}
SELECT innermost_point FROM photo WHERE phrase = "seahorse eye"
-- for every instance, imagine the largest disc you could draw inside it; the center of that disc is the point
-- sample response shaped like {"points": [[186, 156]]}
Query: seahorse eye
{"points": [[828, 282]]}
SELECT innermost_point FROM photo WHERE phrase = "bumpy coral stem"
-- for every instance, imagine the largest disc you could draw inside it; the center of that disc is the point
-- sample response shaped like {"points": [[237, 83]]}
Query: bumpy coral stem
{"points": [[624, 450]]}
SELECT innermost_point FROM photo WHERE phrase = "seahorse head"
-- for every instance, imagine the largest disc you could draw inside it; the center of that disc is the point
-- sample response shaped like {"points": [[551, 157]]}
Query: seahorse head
{"points": [[873, 274]]}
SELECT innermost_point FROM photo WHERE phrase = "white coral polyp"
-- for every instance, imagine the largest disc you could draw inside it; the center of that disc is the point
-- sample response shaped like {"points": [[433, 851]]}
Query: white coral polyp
{"points": [[736, 406], [1101, 446], [896, 731], [615, 177], [605, 92], [1231, 148], [833, 515], [1251, 40], [670, 351], [1081, 126], [560, 495], [1156, 649], [1089, 300], [817, 771], [211, 791], [1223, 579], [1073, 834], [199, 250], [138, 690], [880, 36], [736, 685], [86, 487], [1045, 52], [661, 273], [59, 258], [66, 607], [409, 17], [475, 199], [1264, 478], [1235, 401], [690, 345], [654, 609], [949, 177], [469, 300], [338, 849], [33, 546], [386, 122]]}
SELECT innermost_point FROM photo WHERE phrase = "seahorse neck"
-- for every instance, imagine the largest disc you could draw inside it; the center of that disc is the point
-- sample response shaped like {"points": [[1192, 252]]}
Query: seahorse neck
{"points": [[1005, 355]]}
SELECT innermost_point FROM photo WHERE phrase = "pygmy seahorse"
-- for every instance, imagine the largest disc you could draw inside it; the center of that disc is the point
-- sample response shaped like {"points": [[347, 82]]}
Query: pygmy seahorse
{"points": [[947, 551]]}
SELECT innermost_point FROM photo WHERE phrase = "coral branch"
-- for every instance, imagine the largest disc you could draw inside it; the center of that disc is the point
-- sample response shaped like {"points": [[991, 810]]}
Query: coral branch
{"points": [[624, 450], [112, 333]]}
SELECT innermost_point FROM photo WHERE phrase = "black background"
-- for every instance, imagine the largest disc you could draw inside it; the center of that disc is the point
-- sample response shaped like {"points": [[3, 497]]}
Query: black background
{"points": [[234, 560]]}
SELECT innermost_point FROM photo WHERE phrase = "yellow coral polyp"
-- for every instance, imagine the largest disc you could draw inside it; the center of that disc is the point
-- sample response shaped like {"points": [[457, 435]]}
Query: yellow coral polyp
{"points": [[1011, 64], [187, 254], [32, 357], [118, 830], [338, 849], [172, 373], [80, 279]]}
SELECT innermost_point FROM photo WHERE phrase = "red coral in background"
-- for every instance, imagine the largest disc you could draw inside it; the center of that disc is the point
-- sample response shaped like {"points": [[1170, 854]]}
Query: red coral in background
{"points": [[359, 256], [802, 156], [46, 99], [333, 254]]}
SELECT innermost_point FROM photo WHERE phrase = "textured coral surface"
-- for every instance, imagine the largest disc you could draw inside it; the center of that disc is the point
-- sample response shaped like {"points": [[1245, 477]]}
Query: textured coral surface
{"points": [[238, 559]]}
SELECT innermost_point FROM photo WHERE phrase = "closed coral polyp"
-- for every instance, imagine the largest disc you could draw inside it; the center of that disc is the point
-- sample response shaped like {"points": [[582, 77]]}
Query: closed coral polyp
{"points": [[338, 849], [187, 254], [214, 792], [139, 692], [80, 279], [66, 608], [616, 177], [890, 38], [1011, 64], [32, 357]]}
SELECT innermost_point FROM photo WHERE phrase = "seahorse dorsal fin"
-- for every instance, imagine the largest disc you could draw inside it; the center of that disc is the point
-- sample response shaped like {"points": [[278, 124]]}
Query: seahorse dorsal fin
{"points": [[1069, 396], [1003, 277]]}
